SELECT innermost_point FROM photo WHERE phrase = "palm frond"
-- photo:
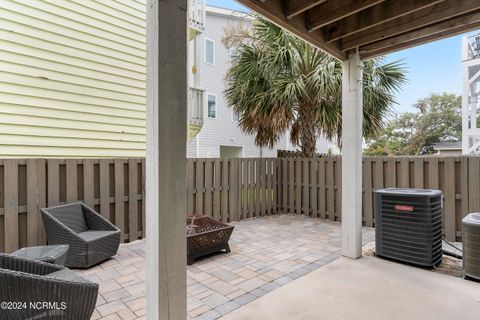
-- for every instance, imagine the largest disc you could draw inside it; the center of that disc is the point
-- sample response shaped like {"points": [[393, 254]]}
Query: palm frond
{"points": [[279, 82]]}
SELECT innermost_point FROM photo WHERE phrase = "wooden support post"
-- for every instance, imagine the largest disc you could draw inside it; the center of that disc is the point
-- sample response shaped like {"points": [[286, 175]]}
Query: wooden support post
{"points": [[166, 159], [352, 156]]}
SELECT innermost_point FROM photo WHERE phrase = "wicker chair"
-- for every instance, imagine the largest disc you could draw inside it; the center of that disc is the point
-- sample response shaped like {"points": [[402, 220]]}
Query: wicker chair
{"points": [[26, 284], [92, 238]]}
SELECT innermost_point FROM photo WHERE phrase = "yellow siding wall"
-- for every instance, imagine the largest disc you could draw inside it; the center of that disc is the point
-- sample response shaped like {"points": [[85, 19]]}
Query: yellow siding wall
{"points": [[72, 78]]}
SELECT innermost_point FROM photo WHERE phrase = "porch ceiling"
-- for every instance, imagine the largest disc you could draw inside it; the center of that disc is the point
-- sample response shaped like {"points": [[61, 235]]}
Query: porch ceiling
{"points": [[375, 27]]}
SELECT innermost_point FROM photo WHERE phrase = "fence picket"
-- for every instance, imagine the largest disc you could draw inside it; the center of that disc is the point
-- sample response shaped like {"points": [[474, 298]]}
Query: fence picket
{"points": [[474, 184], [11, 205], [190, 186], [322, 181], [404, 172], [216, 195], [433, 173], [378, 175], [298, 186], [208, 187], [199, 183], [233, 190], [284, 204], [291, 186], [105, 188], [270, 194], [225, 213], [338, 189], [330, 189], [244, 187], [306, 186], [368, 194], [88, 183], [119, 198], [464, 186], [53, 187], [418, 164], [391, 176], [34, 224], [71, 177], [262, 197], [449, 196], [133, 200], [314, 187]]}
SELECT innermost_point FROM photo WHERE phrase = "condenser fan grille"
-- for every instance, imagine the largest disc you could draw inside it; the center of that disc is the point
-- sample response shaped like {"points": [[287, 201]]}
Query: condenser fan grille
{"points": [[471, 245], [409, 225]]}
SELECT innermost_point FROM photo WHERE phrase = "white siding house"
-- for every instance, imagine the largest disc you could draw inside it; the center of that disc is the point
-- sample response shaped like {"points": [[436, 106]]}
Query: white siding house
{"points": [[72, 78], [72, 81], [220, 135]]}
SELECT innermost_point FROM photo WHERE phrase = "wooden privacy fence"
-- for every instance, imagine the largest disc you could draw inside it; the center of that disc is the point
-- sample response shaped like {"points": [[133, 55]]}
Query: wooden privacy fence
{"points": [[232, 189], [114, 187], [313, 186], [226, 189]]}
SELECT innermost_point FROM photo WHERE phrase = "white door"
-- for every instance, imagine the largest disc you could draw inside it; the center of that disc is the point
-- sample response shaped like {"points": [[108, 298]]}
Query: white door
{"points": [[231, 152]]}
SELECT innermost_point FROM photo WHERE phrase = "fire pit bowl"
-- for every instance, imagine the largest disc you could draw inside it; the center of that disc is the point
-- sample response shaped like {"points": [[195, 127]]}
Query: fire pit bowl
{"points": [[205, 236]]}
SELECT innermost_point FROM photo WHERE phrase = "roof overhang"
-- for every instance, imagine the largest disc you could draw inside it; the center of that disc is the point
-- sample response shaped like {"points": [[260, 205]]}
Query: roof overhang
{"points": [[374, 27]]}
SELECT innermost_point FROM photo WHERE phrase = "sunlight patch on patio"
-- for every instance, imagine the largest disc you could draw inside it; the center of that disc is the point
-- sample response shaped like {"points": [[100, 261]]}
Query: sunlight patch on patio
{"points": [[267, 253]]}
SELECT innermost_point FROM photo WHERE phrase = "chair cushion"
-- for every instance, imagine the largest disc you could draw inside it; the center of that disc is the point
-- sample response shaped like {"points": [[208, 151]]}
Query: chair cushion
{"points": [[71, 215], [66, 275], [93, 235]]}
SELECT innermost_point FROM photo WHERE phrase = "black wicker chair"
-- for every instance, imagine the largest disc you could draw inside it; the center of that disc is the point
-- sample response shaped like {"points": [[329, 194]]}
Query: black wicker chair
{"points": [[91, 237], [31, 289]]}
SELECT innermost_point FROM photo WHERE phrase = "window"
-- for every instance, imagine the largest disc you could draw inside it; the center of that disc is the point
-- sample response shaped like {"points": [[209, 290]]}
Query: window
{"points": [[233, 52], [235, 116], [212, 106], [209, 51]]}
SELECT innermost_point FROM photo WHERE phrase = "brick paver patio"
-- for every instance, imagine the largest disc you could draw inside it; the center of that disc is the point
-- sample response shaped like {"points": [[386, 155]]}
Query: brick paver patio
{"points": [[266, 253]]}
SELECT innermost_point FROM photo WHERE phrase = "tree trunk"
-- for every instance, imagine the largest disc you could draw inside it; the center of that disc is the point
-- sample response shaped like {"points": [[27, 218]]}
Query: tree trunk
{"points": [[307, 130]]}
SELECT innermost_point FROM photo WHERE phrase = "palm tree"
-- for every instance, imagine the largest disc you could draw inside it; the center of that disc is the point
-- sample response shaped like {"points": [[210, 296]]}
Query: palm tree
{"points": [[278, 81]]}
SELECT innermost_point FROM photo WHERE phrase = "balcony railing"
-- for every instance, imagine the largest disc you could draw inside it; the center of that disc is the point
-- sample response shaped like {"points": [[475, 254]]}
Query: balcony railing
{"points": [[473, 47], [196, 15], [195, 106]]}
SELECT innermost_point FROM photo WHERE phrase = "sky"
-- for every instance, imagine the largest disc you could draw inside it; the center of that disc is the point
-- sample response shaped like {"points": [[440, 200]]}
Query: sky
{"points": [[431, 68]]}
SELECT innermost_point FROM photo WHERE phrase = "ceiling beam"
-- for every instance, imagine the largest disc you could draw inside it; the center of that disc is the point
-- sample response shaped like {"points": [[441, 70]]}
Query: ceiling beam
{"points": [[295, 7], [332, 11], [274, 11], [374, 16], [433, 29], [419, 41], [434, 14]]}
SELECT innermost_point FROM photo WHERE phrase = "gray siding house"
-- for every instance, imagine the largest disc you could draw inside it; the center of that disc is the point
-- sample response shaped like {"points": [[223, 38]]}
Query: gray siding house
{"points": [[210, 60]]}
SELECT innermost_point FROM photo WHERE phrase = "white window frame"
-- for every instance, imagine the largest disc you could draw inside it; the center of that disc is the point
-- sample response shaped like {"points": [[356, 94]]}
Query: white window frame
{"points": [[230, 54], [216, 106], [233, 116], [205, 51]]}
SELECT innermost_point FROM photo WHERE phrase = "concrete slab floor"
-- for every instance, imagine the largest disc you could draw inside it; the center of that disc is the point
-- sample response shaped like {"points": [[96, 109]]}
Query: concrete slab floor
{"points": [[367, 288]]}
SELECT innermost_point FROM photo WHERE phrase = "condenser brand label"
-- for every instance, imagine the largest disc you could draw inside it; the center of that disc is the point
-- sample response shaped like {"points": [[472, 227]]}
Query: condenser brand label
{"points": [[400, 207]]}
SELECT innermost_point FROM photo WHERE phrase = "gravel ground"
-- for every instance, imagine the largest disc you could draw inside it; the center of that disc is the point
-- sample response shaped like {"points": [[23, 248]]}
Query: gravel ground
{"points": [[450, 265]]}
